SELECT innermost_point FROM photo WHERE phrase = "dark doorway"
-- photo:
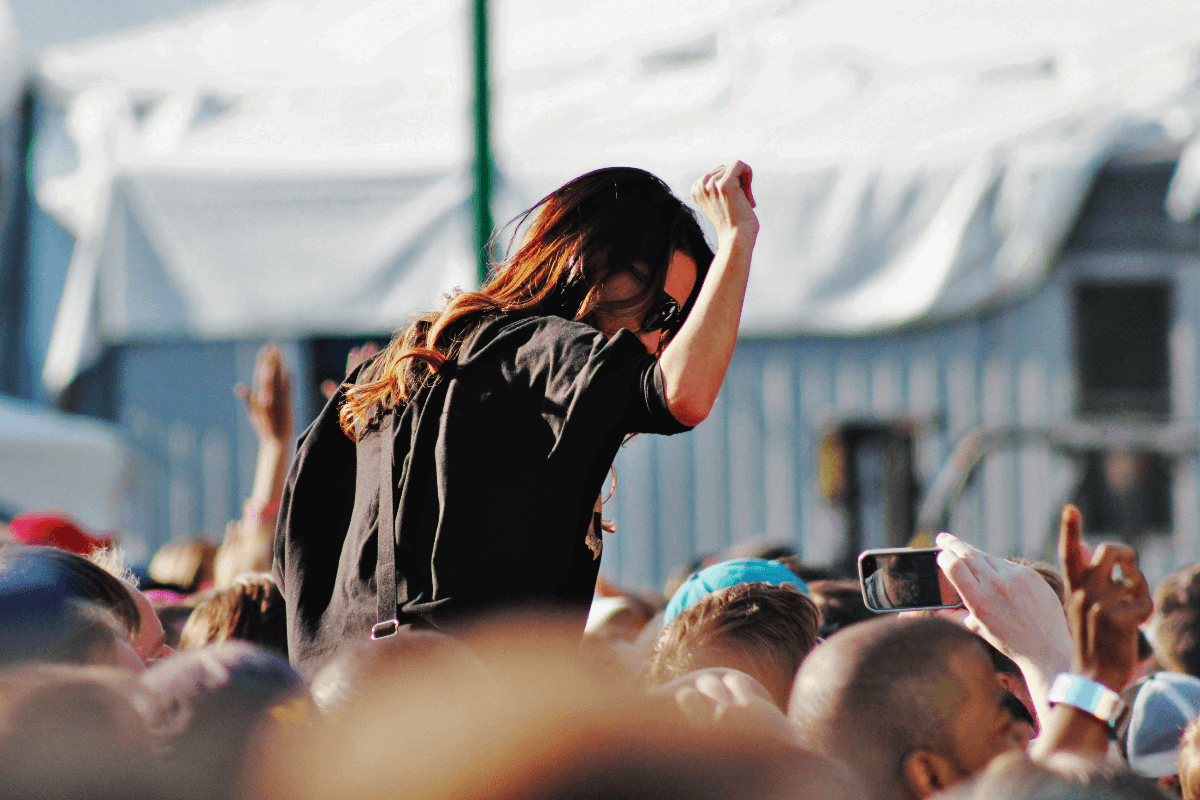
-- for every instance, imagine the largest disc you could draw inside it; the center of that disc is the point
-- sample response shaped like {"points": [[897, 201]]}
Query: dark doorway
{"points": [[867, 469]]}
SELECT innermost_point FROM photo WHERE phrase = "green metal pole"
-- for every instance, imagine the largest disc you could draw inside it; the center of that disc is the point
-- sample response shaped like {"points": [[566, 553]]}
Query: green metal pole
{"points": [[482, 199]]}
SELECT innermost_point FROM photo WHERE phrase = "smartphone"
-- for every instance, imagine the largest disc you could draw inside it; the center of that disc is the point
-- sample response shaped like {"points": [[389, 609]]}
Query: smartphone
{"points": [[904, 579]]}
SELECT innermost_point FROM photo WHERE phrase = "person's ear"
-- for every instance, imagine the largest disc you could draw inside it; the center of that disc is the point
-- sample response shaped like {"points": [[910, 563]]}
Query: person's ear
{"points": [[927, 773]]}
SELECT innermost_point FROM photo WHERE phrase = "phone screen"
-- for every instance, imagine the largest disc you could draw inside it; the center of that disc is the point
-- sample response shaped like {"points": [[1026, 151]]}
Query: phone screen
{"points": [[904, 579]]}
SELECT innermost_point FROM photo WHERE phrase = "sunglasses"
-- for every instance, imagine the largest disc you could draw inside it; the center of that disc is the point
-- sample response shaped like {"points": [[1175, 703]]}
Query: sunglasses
{"points": [[665, 315]]}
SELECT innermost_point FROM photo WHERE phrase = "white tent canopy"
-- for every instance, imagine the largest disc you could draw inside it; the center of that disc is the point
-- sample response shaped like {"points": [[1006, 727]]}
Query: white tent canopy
{"points": [[50, 461], [303, 166]]}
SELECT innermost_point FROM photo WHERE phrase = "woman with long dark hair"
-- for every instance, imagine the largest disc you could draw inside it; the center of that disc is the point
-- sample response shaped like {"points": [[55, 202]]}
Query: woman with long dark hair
{"points": [[485, 430]]}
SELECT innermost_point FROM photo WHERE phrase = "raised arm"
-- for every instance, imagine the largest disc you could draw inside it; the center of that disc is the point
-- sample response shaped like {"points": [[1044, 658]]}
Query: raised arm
{"points": [[1014, 609], [248, 541], [694, 363], [1107, 599], [269, 406]]}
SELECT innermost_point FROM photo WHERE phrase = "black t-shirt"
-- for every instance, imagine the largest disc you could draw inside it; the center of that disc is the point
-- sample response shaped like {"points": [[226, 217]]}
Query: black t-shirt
{"points": [[498, 464]]}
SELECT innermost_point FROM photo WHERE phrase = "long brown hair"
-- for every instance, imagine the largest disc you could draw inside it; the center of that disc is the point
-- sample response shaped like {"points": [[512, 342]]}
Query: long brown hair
{"points": [[574, 239]]}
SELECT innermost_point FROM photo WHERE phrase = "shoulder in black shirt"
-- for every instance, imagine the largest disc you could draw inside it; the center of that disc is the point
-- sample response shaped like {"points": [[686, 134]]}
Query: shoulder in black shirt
{"points": [[498, 465]]}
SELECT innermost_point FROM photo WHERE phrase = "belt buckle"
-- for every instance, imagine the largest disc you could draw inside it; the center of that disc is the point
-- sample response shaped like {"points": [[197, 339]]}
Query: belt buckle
{"points": [[382, 630]]}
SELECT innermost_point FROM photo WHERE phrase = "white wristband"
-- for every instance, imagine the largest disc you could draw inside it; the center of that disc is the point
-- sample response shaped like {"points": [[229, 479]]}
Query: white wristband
{"points": [[1093, 698]]}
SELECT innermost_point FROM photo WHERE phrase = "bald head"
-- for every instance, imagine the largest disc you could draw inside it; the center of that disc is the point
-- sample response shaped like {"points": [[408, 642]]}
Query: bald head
{"points": [[877, 693]]}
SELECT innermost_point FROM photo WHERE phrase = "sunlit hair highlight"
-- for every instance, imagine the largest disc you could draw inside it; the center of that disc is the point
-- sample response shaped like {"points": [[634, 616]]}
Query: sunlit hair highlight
{"points": [[571, 242]]}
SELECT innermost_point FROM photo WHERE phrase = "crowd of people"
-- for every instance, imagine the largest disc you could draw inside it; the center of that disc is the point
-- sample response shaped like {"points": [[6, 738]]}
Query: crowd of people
{"points": [[263, 667], [753, 674]]}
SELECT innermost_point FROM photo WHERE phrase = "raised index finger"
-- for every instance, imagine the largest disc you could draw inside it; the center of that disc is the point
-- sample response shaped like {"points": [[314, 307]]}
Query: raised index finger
{"points": [[1069, 553]]}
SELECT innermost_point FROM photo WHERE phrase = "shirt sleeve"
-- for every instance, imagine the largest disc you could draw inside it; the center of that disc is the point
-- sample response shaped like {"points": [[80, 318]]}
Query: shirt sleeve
{"points": [[649, 412], [579, 372]]}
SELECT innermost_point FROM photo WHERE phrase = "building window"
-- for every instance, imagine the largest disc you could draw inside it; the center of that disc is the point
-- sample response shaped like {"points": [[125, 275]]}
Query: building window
{"points": [[1121, 348]]}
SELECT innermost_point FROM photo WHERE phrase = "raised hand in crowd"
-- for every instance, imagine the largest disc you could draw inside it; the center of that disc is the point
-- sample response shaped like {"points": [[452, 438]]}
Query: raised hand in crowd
{"points": [[1107, 600], [1013, 608], [723, 699], [356, 356], [694, 363], [247, 543], [268, 402]]}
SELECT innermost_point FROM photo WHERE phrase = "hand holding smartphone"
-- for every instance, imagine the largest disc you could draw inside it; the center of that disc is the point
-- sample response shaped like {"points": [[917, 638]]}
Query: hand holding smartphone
{"points": [[905, 579]]}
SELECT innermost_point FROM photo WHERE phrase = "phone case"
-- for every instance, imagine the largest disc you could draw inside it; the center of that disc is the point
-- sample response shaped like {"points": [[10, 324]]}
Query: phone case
{"points": [[887, 551]]}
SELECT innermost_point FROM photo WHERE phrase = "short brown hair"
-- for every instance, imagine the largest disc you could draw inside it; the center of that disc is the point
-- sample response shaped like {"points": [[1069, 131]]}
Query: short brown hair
{"points": [[1177, 633], [1189, 761], [759, 628], [251, 610], [840, 603]]}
